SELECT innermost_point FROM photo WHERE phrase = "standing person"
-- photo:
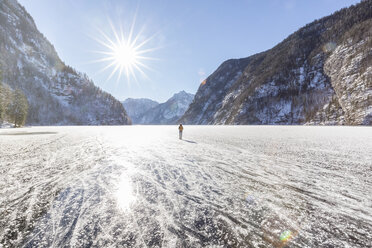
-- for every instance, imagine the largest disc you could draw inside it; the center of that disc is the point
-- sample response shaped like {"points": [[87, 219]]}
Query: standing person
{"points": [[180, 129]]}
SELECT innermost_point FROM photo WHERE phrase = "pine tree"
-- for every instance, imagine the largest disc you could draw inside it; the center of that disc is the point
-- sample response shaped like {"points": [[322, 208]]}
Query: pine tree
{"points": [[18, 108]]}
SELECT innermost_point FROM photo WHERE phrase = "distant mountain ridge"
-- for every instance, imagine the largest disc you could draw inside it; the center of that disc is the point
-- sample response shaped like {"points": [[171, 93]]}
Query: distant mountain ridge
{"points": [[146, 111], [137, 107], [321, 74], [57, 94]]}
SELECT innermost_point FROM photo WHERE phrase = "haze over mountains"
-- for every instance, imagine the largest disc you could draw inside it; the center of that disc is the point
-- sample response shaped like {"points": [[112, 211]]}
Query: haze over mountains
{"points": [[146, 111], [321, 74], [57, 94]]}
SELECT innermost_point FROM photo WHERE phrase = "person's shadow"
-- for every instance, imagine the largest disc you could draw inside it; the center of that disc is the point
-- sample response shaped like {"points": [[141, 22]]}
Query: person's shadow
{"points": [[189, 141]]}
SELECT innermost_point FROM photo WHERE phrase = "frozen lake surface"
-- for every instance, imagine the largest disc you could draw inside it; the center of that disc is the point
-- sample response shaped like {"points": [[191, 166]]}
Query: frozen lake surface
{"points": [[222, 186]]}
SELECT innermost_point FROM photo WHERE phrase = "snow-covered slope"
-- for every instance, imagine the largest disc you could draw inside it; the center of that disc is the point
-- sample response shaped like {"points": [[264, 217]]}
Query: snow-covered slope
{"points": [[137, 107], [168, 112], [57, 94], [321, 74]]}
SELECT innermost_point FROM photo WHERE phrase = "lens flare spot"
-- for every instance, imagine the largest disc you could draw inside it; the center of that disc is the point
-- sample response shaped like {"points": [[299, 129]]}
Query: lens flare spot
{"points": [[286, 235], [250, 200], [329, 47]]}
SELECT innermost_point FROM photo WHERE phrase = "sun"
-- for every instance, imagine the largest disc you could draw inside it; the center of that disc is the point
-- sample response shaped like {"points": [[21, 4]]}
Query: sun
{"points": [[123, 57], [124, 53]]}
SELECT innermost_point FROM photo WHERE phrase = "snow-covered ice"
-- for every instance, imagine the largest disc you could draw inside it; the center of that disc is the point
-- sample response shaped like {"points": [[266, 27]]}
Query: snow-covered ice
{"points": [[223, 186]]}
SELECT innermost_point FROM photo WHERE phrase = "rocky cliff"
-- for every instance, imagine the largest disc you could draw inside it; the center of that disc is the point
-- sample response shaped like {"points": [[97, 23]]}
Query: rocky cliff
{"points": [[57, 94], [321, 74]]}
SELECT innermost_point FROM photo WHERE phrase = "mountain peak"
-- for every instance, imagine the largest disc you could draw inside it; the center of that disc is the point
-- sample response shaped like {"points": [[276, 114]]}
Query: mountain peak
{"points": [[182, 93]]}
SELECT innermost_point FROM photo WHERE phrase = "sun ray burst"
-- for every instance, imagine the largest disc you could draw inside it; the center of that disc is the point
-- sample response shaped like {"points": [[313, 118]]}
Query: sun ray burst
{"points": [[124, 53]]}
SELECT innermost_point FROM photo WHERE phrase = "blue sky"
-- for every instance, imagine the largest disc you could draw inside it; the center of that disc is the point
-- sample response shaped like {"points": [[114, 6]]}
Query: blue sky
{"points": [[190, 38]]}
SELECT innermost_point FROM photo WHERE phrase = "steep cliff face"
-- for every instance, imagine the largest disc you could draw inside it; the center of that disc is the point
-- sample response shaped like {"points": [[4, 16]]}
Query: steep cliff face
{"points": [[349, 67], [168, 112], [321, 74], [56, 93]]}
